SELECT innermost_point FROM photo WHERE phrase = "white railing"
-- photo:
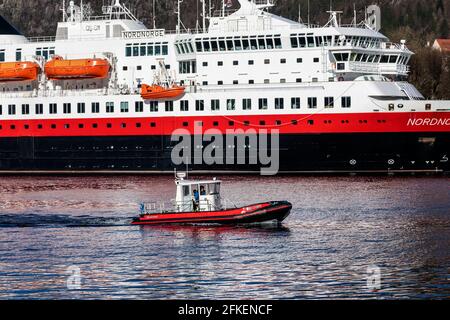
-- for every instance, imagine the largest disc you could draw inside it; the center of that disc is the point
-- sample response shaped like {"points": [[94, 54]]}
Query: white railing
{"points": [[379, 68]]}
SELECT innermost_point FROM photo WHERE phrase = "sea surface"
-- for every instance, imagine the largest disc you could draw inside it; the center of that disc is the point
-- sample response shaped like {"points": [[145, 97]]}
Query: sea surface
{"points": [[347, 237]]}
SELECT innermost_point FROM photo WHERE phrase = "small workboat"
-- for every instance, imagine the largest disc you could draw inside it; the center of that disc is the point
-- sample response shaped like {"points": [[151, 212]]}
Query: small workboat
{"points": [[78, 69], [157, 92], [199, 202], [19, 71]]}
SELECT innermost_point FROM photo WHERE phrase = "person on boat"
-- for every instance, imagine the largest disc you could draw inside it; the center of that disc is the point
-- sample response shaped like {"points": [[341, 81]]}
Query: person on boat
{"points": [[202, 191], [196, 199]]}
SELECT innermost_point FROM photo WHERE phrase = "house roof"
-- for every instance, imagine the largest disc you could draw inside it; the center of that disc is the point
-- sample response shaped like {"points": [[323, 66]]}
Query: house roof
{"points": [[444, 44]]}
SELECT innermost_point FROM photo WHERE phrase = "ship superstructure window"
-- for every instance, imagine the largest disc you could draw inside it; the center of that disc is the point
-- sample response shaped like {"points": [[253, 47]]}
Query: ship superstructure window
{"points": [[184, 105], [199, 105], [1, 109], [11, 109], [189, 66], [67, 108], [2, 55], [266, 61], [295, 103], [154, 106], [19, 55], [169, 106], [25, 109], [263, 104], [139, 106], [329, 102], [124, 106], [312, 102], [245, 43], [246, 104], [95, 107], [110, 107], [346, 102], [215, 105], [39, 108], [53, 108], [146, 49], [279, 103], [81, 107], [231, 104], [46, 52]]}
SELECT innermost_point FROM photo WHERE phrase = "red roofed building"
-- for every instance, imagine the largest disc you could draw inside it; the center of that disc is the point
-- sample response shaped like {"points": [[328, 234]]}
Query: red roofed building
{"points": [[442, 45]]}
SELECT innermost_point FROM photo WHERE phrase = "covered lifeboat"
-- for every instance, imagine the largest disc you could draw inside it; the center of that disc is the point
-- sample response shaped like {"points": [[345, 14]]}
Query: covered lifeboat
{"points": [[156, 92], [61, 69], [19, 71]]}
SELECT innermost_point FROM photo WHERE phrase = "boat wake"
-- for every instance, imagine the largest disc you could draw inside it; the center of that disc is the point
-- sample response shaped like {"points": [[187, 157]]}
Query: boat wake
{"points": [[59, 221]]}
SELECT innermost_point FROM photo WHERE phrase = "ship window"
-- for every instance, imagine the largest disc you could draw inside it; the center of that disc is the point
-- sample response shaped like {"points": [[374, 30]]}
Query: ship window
{"points": [[298, 80], [205, 64], [139, 106], [231, 104], [235, 81], [253, 44], [246, 104], [278, 43], [282, 61], [278, 122], [230, 45], [312, 102], [138, 125], [125, 68], [214, 46], [128, 50], [295, 103], [185, 124], [215, 105], [316, 60], [25, 109], [329, 102], [153, 106], [124, 106], [150, 51], [95, 107], [235, 63], [220, 63], [53, 108], [110, 107], [199, 105], [219, 82], [269, 42], [19, 55], [198, 46], [39, 108], [13, 127], [152, 124], [299, 60], [222, 45], [237, 44], [310, 41], [67, 108], [67, 126], [215, 123], [95, 125], [251, 62], [169, 106], [279, 103], [251, 81], [246, 44], [294, 41], [109, 125], [184, 105], [384, 59], [231, 123], [39, 126], [206, 46], [157, 49], [143, 50], [263, 104], [1, 109], [53, 126], [2, 55], [346, 102], [165, 50], [267, 61], [135, 50], [139, 68], [262, 44], [81, 107], [11, 109], [123, 125], [393, 59], [80, 126]]}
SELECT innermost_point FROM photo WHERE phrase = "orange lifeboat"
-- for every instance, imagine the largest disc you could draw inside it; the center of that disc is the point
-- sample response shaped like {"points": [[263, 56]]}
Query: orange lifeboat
{"points": [[60, 69], [18, 71], [156, 92]]}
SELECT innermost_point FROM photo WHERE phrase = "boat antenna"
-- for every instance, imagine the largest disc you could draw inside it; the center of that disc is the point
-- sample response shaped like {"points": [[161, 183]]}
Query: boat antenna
{"points": [[204, 15], [354, 15], [64, 10], [154, 14], [308, 13]]}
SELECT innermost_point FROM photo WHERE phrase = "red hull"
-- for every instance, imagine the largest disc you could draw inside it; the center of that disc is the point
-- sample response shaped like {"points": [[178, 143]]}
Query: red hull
{"points": [[257, 213]]}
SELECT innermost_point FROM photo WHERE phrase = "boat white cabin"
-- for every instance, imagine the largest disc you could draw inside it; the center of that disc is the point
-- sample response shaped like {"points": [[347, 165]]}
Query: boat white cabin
{"points": [[208, 194]]}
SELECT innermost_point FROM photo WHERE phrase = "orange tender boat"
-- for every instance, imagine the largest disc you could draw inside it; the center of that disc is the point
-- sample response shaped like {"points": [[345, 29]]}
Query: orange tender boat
{"points": [[18, 71], [60, 69], [156, 92]]}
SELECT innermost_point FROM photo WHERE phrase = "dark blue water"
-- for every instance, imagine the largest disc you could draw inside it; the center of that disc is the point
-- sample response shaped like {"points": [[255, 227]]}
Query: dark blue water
{"points": [[339, 227]]}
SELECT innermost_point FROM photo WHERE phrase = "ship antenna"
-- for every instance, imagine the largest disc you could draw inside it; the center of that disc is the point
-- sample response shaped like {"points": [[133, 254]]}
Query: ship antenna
{"points": [[154, 15], [308, 13]]}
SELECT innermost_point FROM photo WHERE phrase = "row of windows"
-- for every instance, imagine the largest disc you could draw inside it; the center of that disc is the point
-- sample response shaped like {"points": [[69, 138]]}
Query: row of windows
{"points": [[238, 43], [231, 123], [252, 62], [373, 58], [311, 41], [263, 104], [147, 49]]}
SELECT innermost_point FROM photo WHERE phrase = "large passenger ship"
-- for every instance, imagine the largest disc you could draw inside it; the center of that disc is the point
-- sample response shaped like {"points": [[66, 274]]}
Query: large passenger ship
{"points": [[107, 93]]}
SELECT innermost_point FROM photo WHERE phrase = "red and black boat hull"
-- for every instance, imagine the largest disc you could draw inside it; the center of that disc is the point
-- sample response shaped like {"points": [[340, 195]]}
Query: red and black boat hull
{"points": [[258, 213]]}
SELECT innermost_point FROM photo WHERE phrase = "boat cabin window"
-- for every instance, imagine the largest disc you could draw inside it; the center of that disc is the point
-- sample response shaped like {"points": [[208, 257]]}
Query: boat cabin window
{"points": [[186, 191], [214, 188]]}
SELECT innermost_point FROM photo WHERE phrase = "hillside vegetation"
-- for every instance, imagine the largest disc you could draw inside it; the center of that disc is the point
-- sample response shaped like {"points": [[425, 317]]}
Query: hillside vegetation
{"points": [[417, 21]]}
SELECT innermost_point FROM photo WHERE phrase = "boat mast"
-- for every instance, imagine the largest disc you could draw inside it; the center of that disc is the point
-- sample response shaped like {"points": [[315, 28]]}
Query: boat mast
{"points": [[204, 15], [154, 16], [179, 15]]}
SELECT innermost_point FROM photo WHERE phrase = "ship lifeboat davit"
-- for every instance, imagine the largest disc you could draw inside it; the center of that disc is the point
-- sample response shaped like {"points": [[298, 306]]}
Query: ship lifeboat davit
{"points": [[18, 71], [60, 69], [156, 92]]}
